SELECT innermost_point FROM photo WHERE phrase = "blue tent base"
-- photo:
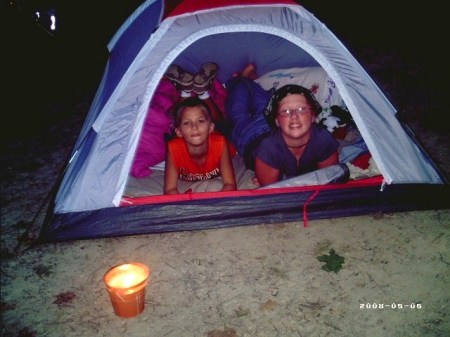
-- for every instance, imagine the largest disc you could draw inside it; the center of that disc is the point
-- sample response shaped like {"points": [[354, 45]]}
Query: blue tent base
{"points": [[241, 211]]}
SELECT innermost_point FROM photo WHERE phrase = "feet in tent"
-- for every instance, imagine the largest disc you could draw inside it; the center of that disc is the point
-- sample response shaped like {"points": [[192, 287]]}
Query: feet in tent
{"points": [[182, 79], [249, 72], [204, 78]]}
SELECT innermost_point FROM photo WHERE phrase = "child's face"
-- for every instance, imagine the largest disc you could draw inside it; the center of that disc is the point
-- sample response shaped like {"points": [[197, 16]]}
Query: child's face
{"points": [[195, 126], [295, 125]]}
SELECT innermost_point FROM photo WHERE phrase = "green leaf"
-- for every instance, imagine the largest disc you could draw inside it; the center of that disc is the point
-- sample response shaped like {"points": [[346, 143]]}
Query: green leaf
{"points": [[333, 262]]}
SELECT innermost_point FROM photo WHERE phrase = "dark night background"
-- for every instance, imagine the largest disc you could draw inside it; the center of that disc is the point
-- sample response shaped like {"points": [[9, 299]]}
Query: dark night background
{"points": [[47, 74]]}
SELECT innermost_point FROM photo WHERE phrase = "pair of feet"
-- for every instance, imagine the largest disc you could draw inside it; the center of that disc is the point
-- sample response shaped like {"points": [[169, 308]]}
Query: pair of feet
{"points": [[249, 72], [187, 82]]}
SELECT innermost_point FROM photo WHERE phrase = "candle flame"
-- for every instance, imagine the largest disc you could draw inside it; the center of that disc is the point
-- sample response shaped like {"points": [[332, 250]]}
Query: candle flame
{"points": [[127, 276]]}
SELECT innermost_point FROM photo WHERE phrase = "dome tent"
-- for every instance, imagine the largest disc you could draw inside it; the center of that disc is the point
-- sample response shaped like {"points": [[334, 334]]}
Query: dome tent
{"points": [[90, 201]]}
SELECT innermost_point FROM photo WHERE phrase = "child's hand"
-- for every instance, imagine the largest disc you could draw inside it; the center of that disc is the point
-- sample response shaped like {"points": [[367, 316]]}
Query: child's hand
{"points": [[255, 181]]}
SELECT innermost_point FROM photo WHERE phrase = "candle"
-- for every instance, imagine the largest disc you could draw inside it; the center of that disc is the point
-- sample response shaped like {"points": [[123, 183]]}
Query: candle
{"points": [[127, 276], [126, 286]]}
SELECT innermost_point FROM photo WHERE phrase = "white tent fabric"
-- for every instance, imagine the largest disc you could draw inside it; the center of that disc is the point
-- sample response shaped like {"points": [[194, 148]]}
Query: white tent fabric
{"points": [[99, 169]]}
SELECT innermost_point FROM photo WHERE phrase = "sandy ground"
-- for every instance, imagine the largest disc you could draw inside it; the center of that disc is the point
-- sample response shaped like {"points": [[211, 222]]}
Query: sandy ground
{"points": [[262, 280]]}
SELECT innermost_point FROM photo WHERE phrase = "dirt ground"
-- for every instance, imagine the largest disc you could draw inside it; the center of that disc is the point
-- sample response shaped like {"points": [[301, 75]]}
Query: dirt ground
{"points": [[262, 280]]}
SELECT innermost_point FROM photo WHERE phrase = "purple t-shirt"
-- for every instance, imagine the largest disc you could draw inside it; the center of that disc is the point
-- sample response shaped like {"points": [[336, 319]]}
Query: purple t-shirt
{"points": [[274, 152]]}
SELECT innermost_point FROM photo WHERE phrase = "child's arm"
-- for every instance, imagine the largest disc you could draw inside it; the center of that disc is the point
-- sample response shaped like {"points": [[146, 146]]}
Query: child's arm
{"points": [[170, 176], [266, 174], [333, 159], [227, 171]]}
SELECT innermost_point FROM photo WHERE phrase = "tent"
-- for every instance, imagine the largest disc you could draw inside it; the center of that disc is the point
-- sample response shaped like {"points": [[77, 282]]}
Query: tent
{"points": [[274, 35]]}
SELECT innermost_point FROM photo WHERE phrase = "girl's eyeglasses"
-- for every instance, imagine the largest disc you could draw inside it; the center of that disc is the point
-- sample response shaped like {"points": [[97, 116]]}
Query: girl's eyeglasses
{"points": [[290, 112]]}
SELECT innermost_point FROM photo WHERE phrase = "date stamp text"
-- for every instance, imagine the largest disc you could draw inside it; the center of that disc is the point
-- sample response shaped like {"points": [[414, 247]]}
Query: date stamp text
{"points": [[394, 305]]}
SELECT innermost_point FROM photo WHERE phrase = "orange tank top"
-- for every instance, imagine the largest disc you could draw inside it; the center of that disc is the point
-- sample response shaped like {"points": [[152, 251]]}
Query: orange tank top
{"points": [[189, 170]]}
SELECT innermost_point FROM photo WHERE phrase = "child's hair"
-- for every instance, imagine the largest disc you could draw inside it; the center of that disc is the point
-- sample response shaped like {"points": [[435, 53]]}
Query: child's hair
{"points": [[289, 89], [189, 103]]}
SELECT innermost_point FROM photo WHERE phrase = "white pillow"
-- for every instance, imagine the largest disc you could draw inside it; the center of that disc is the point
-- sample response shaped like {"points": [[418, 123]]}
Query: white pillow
{"points": [[315, 79]]}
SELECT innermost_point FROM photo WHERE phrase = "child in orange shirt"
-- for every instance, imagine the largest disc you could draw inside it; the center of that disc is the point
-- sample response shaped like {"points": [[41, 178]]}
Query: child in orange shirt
{"points": [[198, 153]]}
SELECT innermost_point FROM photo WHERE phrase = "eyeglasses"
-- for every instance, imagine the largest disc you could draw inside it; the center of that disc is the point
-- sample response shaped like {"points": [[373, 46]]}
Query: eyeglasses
{"points": [[290, 112]]}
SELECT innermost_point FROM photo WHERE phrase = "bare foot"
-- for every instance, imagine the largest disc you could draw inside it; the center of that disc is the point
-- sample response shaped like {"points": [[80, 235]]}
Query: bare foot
{"points": [[249, 72]]}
